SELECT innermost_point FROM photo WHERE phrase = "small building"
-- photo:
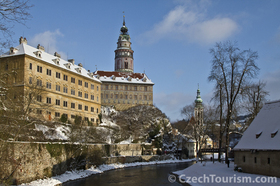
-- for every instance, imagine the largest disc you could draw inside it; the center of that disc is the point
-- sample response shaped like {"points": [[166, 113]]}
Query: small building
{"points": [[258, 151]]}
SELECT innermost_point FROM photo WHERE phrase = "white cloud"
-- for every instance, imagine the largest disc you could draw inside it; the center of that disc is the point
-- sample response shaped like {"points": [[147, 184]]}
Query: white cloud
{"points": [[48, 39], [191, 23]]}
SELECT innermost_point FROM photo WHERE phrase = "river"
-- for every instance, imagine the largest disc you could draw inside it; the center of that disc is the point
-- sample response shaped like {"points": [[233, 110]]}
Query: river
{"points": [[155, 175]]}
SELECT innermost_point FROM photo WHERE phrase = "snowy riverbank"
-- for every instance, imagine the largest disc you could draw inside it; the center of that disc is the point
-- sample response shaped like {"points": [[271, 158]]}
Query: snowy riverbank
{"points": [[78, 174], [207, 173]]}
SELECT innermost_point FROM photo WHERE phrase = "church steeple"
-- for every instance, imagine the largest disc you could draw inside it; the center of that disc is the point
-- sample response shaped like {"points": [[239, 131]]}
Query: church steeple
{"points": [[124, 53], [198, 110]]}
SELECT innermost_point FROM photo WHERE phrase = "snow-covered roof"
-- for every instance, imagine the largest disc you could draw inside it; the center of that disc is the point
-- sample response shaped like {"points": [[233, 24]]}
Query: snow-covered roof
{"points": [[51, 59], [263, 133], [122, 77]]}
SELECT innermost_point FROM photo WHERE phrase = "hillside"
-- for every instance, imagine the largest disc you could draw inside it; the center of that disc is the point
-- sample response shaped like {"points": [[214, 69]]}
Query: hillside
{"points": [[137, 124]]}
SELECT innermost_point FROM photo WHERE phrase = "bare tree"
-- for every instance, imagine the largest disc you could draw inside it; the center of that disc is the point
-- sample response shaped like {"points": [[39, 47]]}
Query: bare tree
{"points": [[254, 97], [234, 68], [187, 111], [12, 12]]}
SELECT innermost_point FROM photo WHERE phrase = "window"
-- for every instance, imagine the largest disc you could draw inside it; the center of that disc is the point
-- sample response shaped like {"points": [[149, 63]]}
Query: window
{"points": [[135, 88], [145, 88], [65, 103], [30, 80], [80, 107], [39, 69], [72, 92], [125, 96], [73, 105], [86, 84], [126, 87], [126, 65], [86, 108], [96, 120], [106, 96], [111, 87], [57, 102], [65, 89], [92, 119], [97, 110], [72, 80], [92, 86], [49, 100], [80, 94], [48, 85], [130, 96], [116, 96], [97, 98], [39, 98], [57, 88], [30, 66], [86, 95], [97, 88], [268, 160], [65, 77], [106, 87], [49, 72], [57, 75], [92, 109], [86, 118], [80, 82], [255, 159], [135, 97], [73, 116], [39, 111], [145, 97], [117, 88], [57, 114], [92, 97]]}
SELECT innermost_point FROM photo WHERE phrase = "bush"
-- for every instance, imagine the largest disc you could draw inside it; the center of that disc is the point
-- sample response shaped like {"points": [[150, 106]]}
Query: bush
{"points": [[63, 118]]}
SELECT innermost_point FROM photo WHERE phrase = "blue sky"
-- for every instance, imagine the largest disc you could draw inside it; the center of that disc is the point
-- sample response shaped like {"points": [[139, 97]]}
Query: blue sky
{"points": [[170, 38]]}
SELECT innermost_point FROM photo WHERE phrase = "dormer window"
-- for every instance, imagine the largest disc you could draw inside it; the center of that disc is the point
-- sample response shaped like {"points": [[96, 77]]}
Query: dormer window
{"points": [[13, 50], [274, 133], [38, 53], [113, 77], [91, 74], [129, 78], [98, 76], [68, 65], [56, 61], [258, 134], [79, 70], [144, 79]]}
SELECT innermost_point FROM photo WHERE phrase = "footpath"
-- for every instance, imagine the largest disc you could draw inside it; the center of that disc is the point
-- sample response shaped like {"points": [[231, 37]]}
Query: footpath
{"points": [[209, 173]]}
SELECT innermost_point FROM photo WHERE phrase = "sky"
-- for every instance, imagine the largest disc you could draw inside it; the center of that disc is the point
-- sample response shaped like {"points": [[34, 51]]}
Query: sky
{"points": [[171, 39]]}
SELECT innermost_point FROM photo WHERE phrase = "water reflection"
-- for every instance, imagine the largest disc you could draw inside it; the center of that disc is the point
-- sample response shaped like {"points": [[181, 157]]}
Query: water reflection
{"points": [[136, 176]]}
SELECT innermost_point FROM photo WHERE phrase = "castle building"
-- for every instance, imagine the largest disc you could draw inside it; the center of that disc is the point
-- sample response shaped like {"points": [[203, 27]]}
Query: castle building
{"points": [[123, 88], [60, 87]]}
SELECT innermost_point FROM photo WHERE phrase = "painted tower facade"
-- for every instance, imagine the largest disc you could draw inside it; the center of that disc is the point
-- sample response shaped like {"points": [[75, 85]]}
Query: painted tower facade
{"points": [[198, 110], [124, 53]]}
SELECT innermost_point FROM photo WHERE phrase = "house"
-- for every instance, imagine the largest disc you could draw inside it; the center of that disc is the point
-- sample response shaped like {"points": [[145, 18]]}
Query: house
{"points": [[258, 151]]}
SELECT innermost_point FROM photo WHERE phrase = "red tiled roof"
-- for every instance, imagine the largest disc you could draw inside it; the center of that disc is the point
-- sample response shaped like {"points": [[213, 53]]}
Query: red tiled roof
{"points": [[120, 74]]}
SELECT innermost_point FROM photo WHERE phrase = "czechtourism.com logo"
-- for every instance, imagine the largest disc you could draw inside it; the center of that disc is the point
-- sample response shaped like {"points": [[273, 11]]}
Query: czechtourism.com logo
{"points": [[213, 178]]}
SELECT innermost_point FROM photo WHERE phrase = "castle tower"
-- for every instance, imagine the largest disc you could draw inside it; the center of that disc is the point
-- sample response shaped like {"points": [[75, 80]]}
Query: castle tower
{"points": [[123, 53], [198, 110]]}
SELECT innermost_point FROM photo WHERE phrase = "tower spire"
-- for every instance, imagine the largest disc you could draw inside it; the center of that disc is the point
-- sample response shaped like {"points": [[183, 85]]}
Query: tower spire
{"points": [[123, 19]]}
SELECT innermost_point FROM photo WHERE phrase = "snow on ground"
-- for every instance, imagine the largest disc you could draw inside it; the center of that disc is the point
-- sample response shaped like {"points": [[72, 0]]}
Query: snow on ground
{"points": [[209, 173], [59, 132], [77, 174]]}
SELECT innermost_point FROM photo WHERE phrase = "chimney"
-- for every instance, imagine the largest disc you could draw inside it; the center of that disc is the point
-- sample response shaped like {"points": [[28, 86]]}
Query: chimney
{"points": [[40, 47], [22, 40], [57, 55], [71, 61], [80, 65]]}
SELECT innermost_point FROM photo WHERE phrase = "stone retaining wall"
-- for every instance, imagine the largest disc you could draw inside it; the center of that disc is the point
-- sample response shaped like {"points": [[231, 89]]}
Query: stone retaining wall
{"points": [[22, 162]]}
